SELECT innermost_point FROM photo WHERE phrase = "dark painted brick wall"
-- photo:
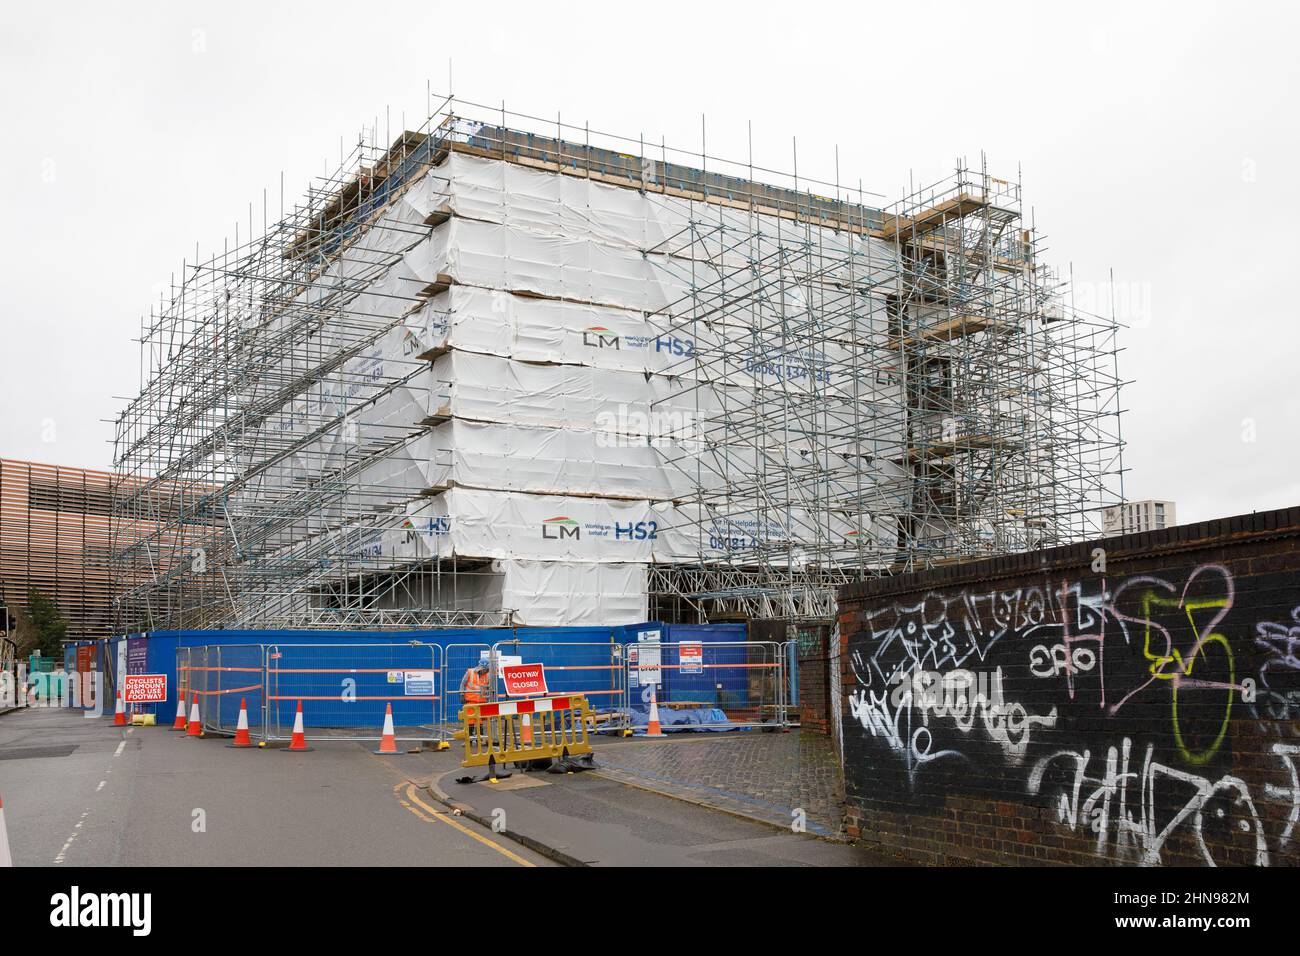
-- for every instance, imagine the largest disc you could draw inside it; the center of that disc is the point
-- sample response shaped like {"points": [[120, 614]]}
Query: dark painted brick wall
{"points": [[1033, 709], [814, 663]]}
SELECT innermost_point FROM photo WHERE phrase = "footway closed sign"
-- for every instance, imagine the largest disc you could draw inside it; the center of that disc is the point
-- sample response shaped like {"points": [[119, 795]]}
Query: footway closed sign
{"points": [[524, 680], [144, 688]]}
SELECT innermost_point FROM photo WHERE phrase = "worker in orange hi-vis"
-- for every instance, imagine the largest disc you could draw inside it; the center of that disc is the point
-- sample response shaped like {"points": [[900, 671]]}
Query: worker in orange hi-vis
{"points": [[474, 686]]}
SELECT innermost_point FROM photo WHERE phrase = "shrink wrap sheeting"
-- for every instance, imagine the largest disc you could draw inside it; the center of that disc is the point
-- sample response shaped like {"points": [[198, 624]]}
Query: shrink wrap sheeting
{"points": [[556, 593], [537, 201], [473, 523]]}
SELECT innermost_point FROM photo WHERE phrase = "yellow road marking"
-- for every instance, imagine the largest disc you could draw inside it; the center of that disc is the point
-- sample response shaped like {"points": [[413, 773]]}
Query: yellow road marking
{"points": [[443, 817]]}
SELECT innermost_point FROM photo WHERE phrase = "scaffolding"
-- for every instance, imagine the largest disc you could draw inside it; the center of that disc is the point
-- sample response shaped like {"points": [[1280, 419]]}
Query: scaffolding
{"points": [[868, 390], [945, 401]]}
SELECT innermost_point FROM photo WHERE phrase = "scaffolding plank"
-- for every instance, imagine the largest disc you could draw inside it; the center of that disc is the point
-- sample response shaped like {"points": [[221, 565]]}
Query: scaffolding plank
{"points": [[956, 328], [931, 218]]}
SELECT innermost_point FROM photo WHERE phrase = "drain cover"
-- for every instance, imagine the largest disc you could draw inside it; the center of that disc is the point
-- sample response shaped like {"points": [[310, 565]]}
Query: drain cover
{"points": [[28, 753]]}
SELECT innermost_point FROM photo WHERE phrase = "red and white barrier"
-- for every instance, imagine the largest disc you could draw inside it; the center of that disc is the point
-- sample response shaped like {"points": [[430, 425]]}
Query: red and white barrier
{"points": [[506, 708]]}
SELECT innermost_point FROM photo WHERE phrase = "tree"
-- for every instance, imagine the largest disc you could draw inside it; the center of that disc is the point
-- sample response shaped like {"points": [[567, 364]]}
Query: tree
{"points": [[50, 626]]}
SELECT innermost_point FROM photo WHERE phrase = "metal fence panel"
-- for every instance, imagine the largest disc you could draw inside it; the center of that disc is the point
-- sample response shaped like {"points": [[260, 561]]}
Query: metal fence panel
{"points": [[345, 688], [457, 659], [236, 674], [790, 684], [710, 685], [219, 676], [194, 678]]}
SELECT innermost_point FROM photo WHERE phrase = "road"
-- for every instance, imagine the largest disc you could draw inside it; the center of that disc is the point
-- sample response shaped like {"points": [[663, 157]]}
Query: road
{"points": [[81, 792]]}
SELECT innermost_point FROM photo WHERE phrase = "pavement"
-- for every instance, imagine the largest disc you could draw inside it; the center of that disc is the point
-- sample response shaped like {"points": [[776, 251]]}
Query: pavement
{"points": [[773, 777], [587, 819], [81, 792]]}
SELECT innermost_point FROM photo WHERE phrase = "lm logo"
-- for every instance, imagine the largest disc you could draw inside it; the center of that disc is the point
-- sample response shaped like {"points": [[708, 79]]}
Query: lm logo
{"points": [[560, 527], [599, 337], [132, 910]]}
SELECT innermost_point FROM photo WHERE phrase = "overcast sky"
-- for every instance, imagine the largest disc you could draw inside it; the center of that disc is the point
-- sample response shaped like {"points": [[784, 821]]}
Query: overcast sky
{"points": [[1157, 141]]}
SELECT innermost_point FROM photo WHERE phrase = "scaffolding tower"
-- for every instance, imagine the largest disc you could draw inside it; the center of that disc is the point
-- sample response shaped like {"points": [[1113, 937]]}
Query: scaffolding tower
{"points": [[873, 390]]}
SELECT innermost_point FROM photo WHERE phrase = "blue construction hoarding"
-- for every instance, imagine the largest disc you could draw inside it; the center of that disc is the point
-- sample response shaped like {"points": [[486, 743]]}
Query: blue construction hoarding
{"points": [[283, 666]]}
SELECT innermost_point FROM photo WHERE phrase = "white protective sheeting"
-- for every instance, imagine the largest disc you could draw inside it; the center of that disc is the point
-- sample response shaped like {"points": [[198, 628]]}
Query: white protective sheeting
{"points": [[601, 298], [539, 201], [540, 460], [506, 525], [493, 256], [556, 593], [526, 458], [551, 460], [493, 322], [489, 388]]}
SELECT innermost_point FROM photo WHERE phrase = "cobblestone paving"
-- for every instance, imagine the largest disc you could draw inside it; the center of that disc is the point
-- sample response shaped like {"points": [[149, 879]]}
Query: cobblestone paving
{"points": [[761, 775]]}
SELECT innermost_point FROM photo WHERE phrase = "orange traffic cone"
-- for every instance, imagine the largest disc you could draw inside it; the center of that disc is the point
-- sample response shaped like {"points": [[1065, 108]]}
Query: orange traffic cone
{"points": [[388, 742], [179, 722], [299, 742], [119, 716], [653, 729], [241, 729], [194, 728], [526, 729], [6, 858]]}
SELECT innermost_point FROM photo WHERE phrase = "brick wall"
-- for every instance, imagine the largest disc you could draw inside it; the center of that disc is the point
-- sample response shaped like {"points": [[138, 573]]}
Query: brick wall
{"points": [[812, 657], [1051, 708]]}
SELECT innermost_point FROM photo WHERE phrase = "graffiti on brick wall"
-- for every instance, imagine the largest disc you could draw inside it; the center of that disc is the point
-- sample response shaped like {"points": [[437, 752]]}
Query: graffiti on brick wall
{"points": [[1112, 702], [1278, 698], [1119, 798]]}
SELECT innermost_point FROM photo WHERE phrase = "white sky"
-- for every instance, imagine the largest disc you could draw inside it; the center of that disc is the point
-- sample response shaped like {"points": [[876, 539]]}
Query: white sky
{"points": [[1160, 141]]}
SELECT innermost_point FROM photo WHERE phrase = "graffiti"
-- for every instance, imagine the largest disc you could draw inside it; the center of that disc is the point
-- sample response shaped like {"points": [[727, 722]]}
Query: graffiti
{"points": [[1170, 662], [1278, 694], [1287, 753], [1053, 661], [892, 723], [1121, 806], [963, 697], [1010, 690], [967, 696]]}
